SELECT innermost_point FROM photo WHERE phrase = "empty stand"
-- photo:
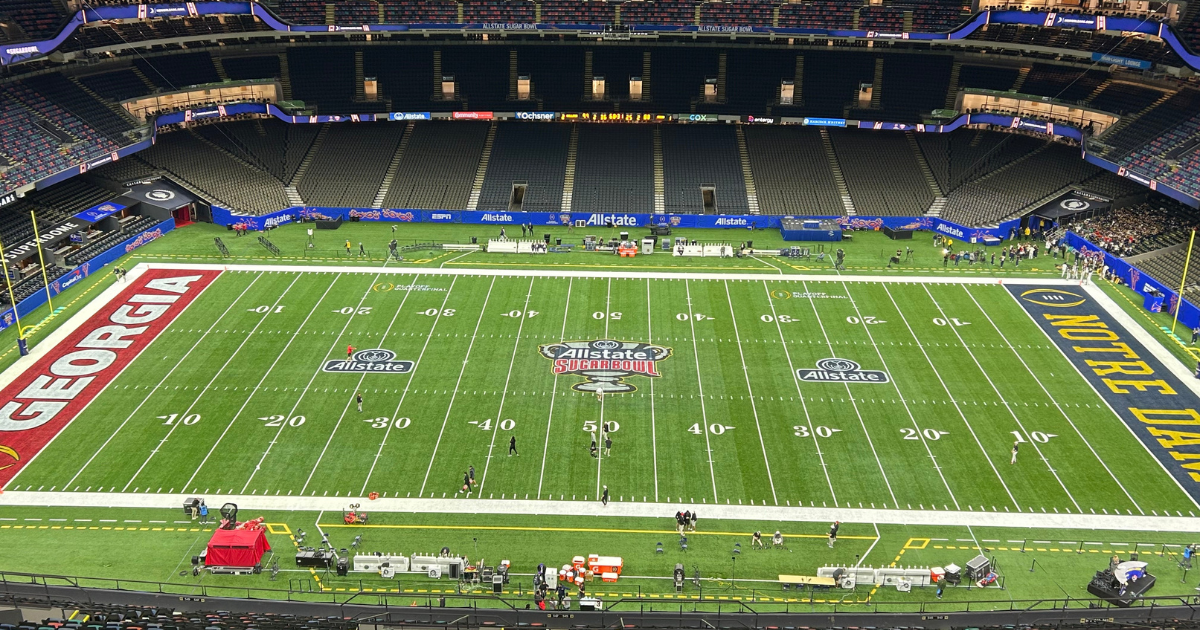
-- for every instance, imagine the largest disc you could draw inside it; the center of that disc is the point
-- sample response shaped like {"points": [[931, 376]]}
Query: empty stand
{"points": [[269, 144], [614, 169], [328, 79], [697, 156], [791, 173], [212, 171], [403, 74], [987, 77], [914, 86], [174, 72], [532, 153], [350, 164], [882, 173], [63, 92], [244, 68], [438, 166], [118, 85]]}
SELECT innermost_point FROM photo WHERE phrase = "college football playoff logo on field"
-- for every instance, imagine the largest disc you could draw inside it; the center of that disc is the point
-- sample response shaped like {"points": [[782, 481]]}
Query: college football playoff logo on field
{"points": [[840, 371], [369, 362], [605, 363]]}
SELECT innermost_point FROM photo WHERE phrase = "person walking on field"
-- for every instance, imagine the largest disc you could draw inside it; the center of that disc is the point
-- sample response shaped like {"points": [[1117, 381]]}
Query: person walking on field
{"points": [[1014, 454], [512, 446], [358, 399], [607, 445], [604, 499], [833, 532], [349, 351]]}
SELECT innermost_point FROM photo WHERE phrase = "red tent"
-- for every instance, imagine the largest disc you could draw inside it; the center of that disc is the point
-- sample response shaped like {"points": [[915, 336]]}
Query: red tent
{"points": [[236, 548]]}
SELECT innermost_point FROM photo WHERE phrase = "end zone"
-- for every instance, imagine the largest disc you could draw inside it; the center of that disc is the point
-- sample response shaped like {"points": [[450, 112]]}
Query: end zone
{"points": [[43, 392]]}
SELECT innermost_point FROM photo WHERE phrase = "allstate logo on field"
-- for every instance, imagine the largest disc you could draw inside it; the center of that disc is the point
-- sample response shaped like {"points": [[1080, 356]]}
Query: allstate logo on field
{"points": [[373, 361], [835, 370]]}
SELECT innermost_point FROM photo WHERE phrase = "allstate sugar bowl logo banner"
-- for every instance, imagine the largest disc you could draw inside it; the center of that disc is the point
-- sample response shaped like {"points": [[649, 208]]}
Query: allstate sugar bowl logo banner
{"points": [[605, 363]]}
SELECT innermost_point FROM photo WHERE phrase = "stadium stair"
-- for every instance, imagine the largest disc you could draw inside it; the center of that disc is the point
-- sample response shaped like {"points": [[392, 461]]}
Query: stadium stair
{"points": [[936, 208], [877, 85], [285, 80], [220, 67], [798, 82], [477, 185], [330, 14], [393, 166], [952, 93], [720, 74], [1022, 74], [646, 84], [308, 157], [145, 79], [934, 187], [660, 185], [744, 155], [838, 176], [1125, 121], [569, 178], [1099, 88], [116, 108]]}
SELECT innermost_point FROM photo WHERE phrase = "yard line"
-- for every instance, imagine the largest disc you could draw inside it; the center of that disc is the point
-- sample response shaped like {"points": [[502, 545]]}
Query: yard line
{"points": [[165, 377], [562, 336], [454, 395], [600, 446], [209, 384], [700, 386], [767, 263], [1047, 393], [853, 402], [653, 431], [507, 379], [454, 259], [961, 414], [911, 417], [358, 387], [221, 437], [304, 392], [1002, 399], [437, 318], [753, 406], [803, 404]]}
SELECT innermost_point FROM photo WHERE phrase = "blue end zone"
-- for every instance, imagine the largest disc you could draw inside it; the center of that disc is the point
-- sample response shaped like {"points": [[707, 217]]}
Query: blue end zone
{"points": [[1150, 399]]}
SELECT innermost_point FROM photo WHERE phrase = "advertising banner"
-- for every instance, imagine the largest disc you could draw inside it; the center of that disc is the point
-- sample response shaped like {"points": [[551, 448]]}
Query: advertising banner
{"points": [[96, 213]]}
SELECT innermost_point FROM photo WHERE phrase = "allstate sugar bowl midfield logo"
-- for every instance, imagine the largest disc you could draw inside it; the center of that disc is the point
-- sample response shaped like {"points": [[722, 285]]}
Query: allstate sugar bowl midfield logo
{"points": [[840, 371], [369, 362], [605, 363]]}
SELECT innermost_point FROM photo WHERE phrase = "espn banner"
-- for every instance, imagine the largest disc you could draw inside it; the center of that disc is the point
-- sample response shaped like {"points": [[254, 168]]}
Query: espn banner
{"points": [[48, 395]]}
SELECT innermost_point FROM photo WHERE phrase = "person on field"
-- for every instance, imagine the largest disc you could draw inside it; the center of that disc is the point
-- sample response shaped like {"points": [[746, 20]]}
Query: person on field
{"points": [[833, 532], [347, 247], [756, 541], [358, 399], [349, 351], [607, 445], [604, 499], [466, 482], [1195, 334], [512, 446], [471, 475], [1014, 454]]}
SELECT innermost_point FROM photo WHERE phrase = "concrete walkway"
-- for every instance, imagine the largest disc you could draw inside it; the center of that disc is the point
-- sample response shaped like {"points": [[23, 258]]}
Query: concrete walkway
{"points": [[250, 504]]}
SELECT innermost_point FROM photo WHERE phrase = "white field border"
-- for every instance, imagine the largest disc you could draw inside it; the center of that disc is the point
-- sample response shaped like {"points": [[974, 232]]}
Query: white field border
{"points": [[630, 509]]}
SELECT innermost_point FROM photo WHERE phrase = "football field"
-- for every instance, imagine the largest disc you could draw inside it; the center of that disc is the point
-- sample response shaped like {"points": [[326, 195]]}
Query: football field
{"points": [[904, 393]]}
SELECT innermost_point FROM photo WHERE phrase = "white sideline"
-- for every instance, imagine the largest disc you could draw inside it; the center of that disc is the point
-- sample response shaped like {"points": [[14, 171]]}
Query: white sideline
{"points": [[251, 504], [571, 273]]}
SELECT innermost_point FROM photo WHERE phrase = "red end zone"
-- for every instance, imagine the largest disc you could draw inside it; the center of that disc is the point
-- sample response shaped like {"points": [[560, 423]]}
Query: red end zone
{"points": [[44, 398]]}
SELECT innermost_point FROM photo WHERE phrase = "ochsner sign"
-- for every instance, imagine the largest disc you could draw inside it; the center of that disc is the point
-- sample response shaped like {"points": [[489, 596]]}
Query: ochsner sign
{"points": [[46, 396]]}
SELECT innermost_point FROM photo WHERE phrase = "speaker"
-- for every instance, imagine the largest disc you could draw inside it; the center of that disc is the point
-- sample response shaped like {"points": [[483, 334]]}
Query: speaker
{"points": [[546, 236], [343, 566], [474, 240], [749, 244], [195, 559]]}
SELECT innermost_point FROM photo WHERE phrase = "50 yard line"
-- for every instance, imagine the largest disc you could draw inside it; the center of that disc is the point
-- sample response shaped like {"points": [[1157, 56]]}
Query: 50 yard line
{"points": [[753, 406], [562, 336], [254, 391], [220, 371], [407, 385], [165, 376], [600, 445], [457, 383]]}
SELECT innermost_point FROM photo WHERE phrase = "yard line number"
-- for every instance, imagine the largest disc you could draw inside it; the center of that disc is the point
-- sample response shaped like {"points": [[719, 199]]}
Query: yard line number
{"points": [[930, 434], [446, 312], [507, 424], [590, 426], [350, 310], [869, 320], [383, 422], [615, 315], [715, 429], [700, 317], [782, 319], [278, 421], [188, 420], [954, 321], [528, 314], [266, 308], [801, 430], [1037, 436]]}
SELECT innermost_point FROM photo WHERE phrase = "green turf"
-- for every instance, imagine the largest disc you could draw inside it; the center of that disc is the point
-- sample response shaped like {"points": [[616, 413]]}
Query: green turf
{"points": [[269, 422]]}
